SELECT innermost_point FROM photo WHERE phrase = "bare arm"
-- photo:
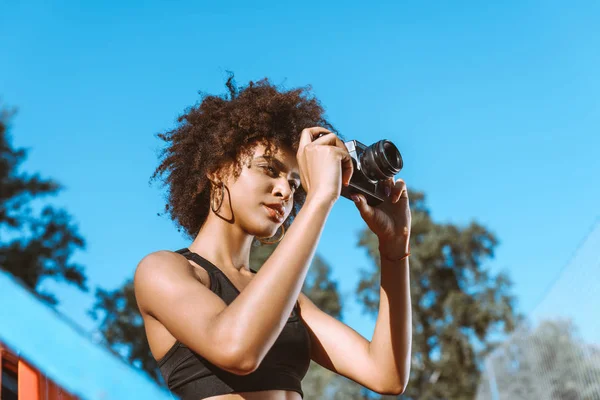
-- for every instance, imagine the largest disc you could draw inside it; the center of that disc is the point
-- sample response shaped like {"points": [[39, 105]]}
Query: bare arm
{"points": [[258, 315], [390, 346], [265, 304]]}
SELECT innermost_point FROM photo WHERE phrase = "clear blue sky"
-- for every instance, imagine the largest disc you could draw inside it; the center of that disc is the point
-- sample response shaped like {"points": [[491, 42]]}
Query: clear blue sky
{"points": [[495, 107]]}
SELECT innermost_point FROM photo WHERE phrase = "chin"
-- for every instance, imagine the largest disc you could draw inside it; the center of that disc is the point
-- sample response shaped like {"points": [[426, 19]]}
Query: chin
{"points": [[264, 230], [267, 233]]}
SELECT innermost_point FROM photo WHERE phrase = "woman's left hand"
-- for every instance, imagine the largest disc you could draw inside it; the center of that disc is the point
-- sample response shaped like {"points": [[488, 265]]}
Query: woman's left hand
{"points": [[390, 220]]}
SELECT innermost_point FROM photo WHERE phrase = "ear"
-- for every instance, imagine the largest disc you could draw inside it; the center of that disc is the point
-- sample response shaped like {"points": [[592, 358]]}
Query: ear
{"points": [[223, 173], [216, 177], [212, 177]]}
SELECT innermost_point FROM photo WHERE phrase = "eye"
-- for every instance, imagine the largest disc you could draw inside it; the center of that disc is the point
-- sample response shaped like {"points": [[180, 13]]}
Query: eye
{"points": [[294, 185], [270, 170]]}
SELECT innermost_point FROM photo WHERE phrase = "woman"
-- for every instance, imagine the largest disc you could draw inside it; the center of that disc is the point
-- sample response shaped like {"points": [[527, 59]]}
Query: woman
{"points": [[241, 167]]}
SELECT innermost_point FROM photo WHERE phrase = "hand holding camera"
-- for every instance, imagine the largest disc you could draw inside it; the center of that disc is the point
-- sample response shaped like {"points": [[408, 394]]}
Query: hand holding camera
{"points": [[366, 171], [319, 155], [374, 167], [371, 170]]}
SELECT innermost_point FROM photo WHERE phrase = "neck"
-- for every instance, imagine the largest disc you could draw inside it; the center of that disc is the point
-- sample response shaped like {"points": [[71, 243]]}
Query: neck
{"points": [[223, 244]]}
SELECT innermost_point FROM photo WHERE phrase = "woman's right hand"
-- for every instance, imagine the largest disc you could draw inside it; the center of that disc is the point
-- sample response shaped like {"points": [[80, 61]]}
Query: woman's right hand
{"points": [[324, 164]]}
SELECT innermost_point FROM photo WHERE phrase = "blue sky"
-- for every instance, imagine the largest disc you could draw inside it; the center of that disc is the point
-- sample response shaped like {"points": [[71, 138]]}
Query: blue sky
{"points": [[495, 107]]}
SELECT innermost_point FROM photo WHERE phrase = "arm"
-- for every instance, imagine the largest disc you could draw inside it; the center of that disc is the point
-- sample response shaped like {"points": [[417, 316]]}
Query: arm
{"points": [[265, 304], [381, 365], [391, 343], [340, 349], [390, 347], [257, 316]]}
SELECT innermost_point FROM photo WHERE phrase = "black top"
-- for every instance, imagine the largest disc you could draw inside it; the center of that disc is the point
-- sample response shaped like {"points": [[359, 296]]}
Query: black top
{"points": [[191, 376]]}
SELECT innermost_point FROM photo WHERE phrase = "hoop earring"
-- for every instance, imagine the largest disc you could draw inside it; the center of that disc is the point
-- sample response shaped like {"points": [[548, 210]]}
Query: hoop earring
{"points": [[222, 198], [274, 241]]}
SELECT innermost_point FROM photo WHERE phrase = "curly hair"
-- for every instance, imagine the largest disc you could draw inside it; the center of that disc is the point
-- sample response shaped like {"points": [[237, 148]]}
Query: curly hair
{"points": [[221, 132]]}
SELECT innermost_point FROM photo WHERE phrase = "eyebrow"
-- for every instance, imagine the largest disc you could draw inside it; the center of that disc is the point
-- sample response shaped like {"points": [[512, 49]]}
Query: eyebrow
{"points": [[279, 165]]}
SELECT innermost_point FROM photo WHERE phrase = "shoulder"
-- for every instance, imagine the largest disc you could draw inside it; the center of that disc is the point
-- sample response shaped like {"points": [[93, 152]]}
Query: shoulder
{"points": [[163, 263], [163, 273], [159, 266]]}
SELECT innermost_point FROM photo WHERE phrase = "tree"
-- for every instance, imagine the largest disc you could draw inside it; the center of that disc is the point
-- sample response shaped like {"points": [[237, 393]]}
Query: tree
{"points": [[457, 303], [33, 246], [550, 362], [122, 328]]}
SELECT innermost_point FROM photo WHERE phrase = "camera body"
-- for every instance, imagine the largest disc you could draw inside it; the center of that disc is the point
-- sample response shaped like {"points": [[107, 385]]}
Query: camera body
{"points": [[373, 166]]}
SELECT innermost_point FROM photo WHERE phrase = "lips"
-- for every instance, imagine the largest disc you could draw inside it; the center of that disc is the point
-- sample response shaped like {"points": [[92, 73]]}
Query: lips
{"points": [[275, 211]]}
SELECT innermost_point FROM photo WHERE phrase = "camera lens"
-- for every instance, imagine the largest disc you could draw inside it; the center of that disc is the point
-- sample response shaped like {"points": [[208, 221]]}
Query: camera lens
{"points": [[381, 160]]}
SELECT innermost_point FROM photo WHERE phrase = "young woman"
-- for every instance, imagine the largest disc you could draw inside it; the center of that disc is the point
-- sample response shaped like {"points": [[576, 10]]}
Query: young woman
{"points": [[241, 168]]}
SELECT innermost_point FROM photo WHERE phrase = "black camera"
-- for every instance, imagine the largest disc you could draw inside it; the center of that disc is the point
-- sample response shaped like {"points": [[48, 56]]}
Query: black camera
{"points": [[373, 165]]}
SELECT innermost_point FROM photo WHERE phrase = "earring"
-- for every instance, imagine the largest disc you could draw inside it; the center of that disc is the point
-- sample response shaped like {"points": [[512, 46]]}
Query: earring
{"points": [[222, 197], [274, 241]]}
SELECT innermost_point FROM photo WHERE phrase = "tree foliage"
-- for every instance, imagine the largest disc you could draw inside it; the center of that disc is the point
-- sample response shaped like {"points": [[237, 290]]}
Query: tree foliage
{"points": [[457, 303], [33, 245]]}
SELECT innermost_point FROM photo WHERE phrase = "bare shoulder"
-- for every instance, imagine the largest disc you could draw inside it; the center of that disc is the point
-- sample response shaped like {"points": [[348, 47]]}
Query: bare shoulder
{"points": [[161, 273], [162, 263], [168, 290]]}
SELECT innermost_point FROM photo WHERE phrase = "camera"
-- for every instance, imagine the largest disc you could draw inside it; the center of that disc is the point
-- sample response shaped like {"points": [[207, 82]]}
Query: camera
{"points": [[373, 165]]}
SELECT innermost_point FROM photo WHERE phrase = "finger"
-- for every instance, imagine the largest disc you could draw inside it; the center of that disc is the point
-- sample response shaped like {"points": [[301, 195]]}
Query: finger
{"points": [[347, 165], [365, 210], [306, 137], [400, 191], [389, 188], [329, 138], [309, 134], [332, 139]]}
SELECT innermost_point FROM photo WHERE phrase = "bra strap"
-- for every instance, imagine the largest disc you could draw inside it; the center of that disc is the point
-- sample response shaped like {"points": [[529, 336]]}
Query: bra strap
{"points": [[198, 259]]}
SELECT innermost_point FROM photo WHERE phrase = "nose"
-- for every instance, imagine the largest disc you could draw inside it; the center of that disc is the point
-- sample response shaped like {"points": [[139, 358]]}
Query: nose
{"points": [[283, 189]]}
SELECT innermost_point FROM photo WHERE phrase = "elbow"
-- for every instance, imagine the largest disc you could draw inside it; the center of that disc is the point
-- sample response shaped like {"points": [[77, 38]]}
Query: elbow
{"points": [[393, 390], [398, 390], [234, 354], [394, 387], [241, 363], [242, 368]]}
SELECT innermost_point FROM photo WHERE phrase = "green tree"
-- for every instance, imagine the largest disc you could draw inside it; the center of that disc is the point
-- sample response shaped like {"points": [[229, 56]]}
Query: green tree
{"points": [[33, 245], [122, 327], [457, 303]]}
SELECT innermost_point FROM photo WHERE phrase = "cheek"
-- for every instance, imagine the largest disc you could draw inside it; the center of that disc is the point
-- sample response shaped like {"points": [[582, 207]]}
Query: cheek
{"points": [[245, 199]]}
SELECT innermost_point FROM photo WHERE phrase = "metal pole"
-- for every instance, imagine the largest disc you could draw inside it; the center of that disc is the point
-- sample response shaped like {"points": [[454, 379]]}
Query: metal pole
{"points": [[492, 379]]}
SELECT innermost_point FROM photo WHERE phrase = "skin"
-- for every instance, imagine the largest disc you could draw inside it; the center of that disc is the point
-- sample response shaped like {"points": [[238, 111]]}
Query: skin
{"points": [[176, 304]]}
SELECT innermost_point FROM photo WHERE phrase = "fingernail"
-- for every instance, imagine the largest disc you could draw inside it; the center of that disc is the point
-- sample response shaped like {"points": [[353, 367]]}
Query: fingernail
{"points": [[388, 191], [355, 198]]}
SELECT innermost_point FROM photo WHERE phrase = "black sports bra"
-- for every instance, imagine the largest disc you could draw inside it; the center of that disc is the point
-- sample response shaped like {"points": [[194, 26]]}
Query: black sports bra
{"points": [[190, 376]]}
